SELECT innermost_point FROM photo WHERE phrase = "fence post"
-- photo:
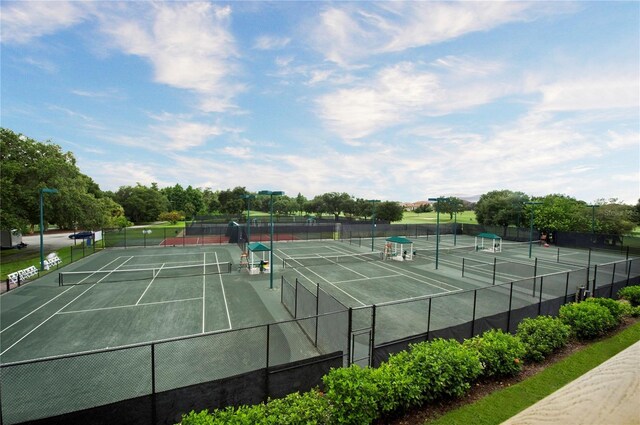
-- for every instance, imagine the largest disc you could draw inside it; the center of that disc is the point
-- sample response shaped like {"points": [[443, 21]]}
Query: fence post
{"points": [[295, 303], [595, 278], [373, 334], [566, 289], [535, 267], [509, 312], [462, 266], [495, 259], [473, 319], [349, 329], [429, 319], [540, 299], [613, 278], [266, 370], [153, 383], [315, 342], [629, 273]]}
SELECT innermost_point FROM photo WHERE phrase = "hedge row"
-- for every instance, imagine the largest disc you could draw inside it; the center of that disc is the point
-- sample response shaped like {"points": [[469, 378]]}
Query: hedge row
{"points": [[429, 371]]}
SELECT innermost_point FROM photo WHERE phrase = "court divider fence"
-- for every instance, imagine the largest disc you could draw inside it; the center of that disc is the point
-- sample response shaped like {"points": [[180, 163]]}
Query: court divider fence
{"points": [[155, 383]]}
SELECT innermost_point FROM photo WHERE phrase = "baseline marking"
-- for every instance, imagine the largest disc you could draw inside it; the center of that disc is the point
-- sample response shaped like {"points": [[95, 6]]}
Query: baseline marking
{"points": [[62, 293], [149, 285], [65, 306]]}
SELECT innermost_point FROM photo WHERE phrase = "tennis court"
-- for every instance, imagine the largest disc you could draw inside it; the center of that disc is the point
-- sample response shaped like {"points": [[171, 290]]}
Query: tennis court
{"points": [[163, 318]]}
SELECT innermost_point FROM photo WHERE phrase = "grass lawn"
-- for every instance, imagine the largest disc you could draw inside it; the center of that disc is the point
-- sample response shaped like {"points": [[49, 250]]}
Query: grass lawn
{"points": [[410, 217], [13, 260], [503, 404]]}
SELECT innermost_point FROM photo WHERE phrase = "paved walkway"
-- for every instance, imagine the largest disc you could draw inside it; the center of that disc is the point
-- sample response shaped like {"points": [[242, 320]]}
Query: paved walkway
{"points": [[607, 395]]}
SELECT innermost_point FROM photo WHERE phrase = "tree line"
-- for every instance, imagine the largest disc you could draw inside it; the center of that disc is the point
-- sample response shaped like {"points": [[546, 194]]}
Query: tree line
{"points": [[29, 165]]}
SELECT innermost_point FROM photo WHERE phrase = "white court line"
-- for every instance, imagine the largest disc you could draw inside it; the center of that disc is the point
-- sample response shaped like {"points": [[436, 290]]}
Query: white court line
{"points": [[407, 274], [62, 293], [128, 306], [224, 296], [330, 283], [49, 318], [149, 285], [367, 278]]}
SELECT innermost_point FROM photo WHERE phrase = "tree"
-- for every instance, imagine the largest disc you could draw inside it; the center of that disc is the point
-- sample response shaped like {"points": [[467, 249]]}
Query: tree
{"points": [[389, 211], [301, 202], [560, 213], [501, 208], [613, 217], [210, 201], [172, 216], [142, 204], [452, 205], [336, 203], [27, 167], [424, 208], [231, 201]]}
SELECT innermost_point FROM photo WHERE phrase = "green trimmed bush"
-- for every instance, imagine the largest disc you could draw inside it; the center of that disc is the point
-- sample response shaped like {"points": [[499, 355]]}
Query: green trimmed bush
{"points": [[437, 369], [615, 308], [353, 394], [200, 418], [500, 353], [310, 407], [541, 336], [396, 385], [587, 320], [243, 415], [631, 294]]}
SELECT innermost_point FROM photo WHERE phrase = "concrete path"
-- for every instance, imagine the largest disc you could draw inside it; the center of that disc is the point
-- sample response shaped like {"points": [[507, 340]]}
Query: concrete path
{"points": [[607, 395]]}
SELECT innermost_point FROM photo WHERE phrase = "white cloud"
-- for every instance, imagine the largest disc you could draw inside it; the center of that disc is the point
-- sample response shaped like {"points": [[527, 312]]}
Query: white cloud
{"points": [[403, 93], [599, 91], [189, 45], [22, 21], [347, 34], [268, 42]]}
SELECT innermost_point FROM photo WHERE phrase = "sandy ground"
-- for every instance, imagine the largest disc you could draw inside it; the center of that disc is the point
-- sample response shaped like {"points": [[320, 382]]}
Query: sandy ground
{"points": [[607, 395]]}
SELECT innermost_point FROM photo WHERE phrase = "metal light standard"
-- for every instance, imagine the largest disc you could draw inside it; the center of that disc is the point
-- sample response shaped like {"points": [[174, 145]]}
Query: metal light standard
{"points": [[42, 192], [248, 197], [271, 193], [437, 200], [533, 211], [373, 220], [593, 218]]}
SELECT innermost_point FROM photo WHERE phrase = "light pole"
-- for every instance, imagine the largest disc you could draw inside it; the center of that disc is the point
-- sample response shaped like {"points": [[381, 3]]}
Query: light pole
{"points": [[437, 200], [373, 220], [42, 192], [271, 193], [248, 197], [533, 211], [593, 218]]}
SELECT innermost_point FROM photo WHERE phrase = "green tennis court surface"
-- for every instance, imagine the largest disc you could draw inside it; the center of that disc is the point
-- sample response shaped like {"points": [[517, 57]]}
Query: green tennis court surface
{"points": [[206, 315]]}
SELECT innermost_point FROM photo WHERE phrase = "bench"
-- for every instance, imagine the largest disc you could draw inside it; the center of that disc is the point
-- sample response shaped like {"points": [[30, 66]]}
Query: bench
{"points": [[27, 273], [51, 261]]}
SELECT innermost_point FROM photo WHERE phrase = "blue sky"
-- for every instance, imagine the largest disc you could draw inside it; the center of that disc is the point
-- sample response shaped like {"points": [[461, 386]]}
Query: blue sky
{"points": [[397, 101]]}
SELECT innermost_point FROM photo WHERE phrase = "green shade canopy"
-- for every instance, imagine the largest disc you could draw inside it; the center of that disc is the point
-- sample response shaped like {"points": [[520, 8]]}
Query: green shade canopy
{"points": [[257, 247], [398, 239], [488, 236]]}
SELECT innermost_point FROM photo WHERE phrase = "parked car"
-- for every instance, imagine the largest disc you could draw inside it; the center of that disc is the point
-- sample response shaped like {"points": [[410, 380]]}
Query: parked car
{"points": [[81, 235]]}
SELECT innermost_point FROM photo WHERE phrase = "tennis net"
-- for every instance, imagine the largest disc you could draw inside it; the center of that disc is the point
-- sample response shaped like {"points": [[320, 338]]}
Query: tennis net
{"points": [[517, 245], [100, 276], [331, 259]]}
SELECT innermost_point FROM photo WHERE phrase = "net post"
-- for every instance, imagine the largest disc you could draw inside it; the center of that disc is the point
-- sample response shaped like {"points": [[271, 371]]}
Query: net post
{"points": [[462, 266], [59, 280], [558, 256]]}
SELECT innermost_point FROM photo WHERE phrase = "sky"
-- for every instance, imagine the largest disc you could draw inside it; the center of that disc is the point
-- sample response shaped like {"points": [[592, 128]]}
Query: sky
{"points": [[397, 101]]}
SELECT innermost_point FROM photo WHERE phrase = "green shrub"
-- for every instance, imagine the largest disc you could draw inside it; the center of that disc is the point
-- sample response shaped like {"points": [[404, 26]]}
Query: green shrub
{"points": [[353, 394], [541, 336], [500, 353], [200, 418], [438, 368], [615, 308], [243, 415], [631, 294], [587, 320], [309, 408]]}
